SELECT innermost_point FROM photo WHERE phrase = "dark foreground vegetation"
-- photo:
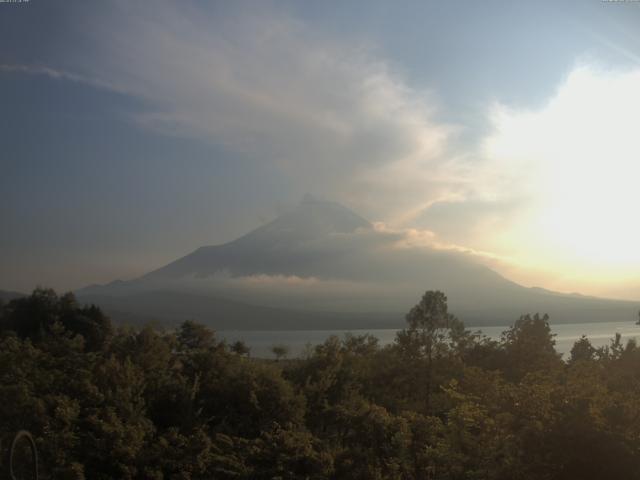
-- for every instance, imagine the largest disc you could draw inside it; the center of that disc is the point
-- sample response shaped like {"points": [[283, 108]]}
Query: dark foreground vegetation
{"points": [[440, 403]]}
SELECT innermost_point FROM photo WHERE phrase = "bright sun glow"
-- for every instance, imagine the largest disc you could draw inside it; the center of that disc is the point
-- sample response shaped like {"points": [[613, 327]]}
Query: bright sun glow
{"points": [[578, 159]]}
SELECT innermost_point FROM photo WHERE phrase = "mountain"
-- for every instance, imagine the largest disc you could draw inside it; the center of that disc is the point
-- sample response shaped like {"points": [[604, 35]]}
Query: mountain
{"points": [[7, 296], [322, 266], [275, 248], [168, 307]]}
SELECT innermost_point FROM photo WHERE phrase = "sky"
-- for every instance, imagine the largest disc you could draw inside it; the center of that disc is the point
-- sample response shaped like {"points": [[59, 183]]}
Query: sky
{"points": [[132, 133]]}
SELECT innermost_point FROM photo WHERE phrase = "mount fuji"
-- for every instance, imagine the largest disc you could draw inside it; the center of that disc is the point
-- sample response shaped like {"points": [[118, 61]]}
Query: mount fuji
{"points": [[322, 266]]}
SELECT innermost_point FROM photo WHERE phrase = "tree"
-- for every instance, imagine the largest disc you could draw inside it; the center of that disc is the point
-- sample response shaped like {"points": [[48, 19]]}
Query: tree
{"points": [[33, 316], [529, 346], [242, 398], [179, 405], [582, 350], [240, 348], [280, 351], [88, 321], [44, 312], [195, 336], [288, 455], [431, 331]]}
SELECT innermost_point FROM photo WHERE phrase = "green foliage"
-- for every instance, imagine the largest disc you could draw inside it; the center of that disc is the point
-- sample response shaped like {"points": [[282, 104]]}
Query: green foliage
{"points": [[240, 348], [583, 351], [439, 403], [434, 337], [44, 313], [193, 336], [280, 351], [529, 346]]}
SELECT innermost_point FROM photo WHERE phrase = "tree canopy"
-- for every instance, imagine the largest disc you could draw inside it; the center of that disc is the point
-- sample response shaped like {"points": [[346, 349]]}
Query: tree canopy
{"points": [[439, 403]]}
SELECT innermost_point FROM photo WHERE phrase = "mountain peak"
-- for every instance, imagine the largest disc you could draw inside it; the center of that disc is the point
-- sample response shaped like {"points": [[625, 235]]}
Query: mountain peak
{"points": [[272, 248], [331, 217], [311, 219]]}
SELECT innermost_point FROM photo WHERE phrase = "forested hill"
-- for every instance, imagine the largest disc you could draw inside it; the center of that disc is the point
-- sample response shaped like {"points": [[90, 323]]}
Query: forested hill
{"points": [[439, 403], [6, 296]]}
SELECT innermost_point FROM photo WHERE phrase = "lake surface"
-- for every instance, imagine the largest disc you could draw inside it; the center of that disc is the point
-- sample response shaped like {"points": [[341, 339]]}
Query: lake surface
{"points": [[261, 342]]}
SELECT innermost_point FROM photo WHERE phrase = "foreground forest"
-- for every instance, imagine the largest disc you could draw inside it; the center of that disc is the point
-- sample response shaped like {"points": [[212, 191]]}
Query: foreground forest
{"points": [[440, 403]]}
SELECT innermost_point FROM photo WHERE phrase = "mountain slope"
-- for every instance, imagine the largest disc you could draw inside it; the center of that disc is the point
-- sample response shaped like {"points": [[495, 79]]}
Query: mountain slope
{"points": [[273, 248], [7, 296], [170, 307]]}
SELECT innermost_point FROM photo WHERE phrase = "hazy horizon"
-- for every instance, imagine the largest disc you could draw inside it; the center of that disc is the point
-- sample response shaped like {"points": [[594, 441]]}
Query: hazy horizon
{"points": [[134, 135]]}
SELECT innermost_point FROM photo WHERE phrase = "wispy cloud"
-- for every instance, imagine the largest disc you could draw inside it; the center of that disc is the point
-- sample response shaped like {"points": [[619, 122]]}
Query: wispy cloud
{"points": [[60, 75], [329, 115]]}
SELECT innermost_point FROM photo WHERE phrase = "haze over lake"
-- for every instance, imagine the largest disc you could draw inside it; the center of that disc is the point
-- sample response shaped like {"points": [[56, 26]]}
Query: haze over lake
{"points": [[260, 342]]}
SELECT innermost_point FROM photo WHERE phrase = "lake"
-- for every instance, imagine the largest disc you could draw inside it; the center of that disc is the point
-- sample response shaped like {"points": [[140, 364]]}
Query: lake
{"points": [[261, 342]]}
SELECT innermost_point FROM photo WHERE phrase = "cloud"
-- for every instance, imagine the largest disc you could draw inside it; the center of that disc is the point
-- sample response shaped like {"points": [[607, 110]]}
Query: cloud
{"points": [[329, 115], [575, 161], [465, 219], [554, 199], [58, 75], [552, 186]]}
